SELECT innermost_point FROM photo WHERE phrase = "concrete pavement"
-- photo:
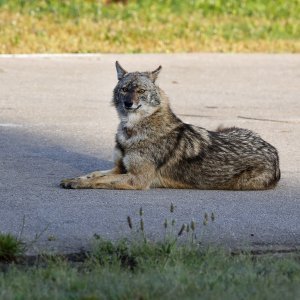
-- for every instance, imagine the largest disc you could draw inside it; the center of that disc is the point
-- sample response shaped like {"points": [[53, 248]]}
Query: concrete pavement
{"points": [[56, 121]]}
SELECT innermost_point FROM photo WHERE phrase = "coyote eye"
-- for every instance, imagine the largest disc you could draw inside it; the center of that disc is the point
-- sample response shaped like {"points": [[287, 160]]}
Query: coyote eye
{"points": [[141, 91], [124, 89]]}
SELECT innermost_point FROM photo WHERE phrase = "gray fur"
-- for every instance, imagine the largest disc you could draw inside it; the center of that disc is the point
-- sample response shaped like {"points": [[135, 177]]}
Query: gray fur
{"points": [[154, 148]]}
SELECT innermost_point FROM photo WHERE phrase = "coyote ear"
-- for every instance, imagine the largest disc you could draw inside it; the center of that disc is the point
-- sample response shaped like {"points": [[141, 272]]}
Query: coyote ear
{"points": [[120, 71], [154, 74]]}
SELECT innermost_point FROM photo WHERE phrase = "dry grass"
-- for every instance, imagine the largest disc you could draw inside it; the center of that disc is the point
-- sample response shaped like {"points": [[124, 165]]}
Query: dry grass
{"points": [[145, 31]]}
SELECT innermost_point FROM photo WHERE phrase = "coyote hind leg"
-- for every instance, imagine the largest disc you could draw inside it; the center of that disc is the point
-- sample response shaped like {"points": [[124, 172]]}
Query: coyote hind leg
{"points": [[262, 180]]}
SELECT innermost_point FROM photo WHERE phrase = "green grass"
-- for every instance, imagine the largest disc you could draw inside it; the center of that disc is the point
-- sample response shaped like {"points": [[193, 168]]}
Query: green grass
{"points": [[10, 247], [149, 26], [78, 8], [178, 267], [128, 270]]}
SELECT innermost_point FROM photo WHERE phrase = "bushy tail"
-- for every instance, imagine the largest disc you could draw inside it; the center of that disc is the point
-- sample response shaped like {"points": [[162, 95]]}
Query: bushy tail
{"points": [[277, 173]]}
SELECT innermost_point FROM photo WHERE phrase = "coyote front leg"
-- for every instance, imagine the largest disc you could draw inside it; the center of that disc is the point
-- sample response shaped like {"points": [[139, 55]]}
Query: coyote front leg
{"points": [[118, 182], [117, 169], [93, 175], [113, 171]]}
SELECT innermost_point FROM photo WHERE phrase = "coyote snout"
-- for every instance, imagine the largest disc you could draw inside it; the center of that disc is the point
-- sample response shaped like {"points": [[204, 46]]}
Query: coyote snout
{"points": [[154, 148]]}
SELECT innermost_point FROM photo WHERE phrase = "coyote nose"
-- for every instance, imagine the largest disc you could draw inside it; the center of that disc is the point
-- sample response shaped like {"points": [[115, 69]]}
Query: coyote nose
{"points": [[128, 104]]}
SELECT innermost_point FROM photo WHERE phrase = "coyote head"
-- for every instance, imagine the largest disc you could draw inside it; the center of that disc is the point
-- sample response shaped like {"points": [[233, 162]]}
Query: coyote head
{"points": [[136, 94]]}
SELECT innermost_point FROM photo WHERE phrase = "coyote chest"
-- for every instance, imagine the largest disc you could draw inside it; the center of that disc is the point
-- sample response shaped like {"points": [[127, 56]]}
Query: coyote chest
{"points": [[129, 137]]}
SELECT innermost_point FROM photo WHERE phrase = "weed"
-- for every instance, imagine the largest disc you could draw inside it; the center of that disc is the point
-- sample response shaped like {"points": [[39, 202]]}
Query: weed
{"points": [[10, 247]]}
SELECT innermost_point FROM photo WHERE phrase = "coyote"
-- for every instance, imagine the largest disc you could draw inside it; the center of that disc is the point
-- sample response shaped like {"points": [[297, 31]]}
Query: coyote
{"points": [[154, 148]]}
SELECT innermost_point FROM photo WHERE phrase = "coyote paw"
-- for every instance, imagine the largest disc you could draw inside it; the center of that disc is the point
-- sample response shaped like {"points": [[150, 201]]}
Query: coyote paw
{"points": [[73, 183]]}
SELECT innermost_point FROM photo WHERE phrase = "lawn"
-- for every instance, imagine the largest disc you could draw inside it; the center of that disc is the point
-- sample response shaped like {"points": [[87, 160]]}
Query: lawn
{"points": [[127, 270], [74, 26], [177, 267]]}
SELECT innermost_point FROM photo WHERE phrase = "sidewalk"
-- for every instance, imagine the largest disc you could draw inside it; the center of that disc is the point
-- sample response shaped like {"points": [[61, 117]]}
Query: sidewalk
{"points": [[56, 121]]}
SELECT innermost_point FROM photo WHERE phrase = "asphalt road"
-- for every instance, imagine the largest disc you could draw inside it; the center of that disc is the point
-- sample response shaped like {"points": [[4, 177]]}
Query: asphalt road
{"points": [[56, 121]]}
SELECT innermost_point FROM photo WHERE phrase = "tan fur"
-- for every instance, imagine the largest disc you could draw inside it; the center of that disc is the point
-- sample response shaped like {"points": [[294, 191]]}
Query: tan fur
{"points": [[154, 148]]}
